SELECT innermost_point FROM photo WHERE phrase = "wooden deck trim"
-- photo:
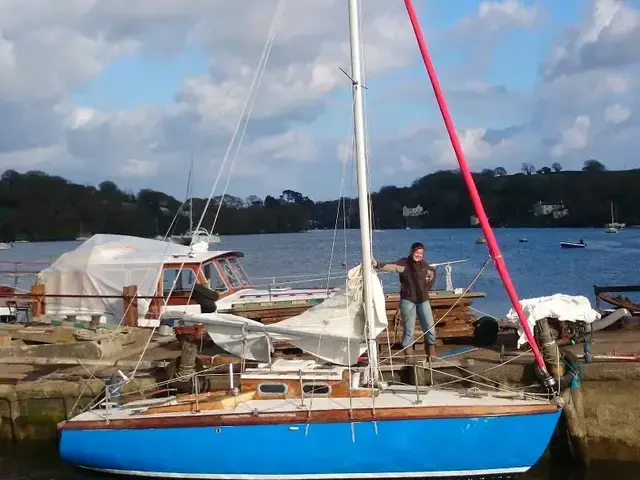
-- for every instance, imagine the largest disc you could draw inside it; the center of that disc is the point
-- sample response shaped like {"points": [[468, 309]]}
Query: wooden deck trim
{"points": [[306, 417]]}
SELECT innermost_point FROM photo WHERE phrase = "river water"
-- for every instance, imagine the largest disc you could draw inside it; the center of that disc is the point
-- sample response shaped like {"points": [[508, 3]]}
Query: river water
{"points": [[538, 268]]}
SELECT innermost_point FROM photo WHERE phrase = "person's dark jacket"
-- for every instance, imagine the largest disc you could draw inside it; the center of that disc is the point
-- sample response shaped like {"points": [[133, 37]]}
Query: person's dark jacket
{"points": [[416, 278]]}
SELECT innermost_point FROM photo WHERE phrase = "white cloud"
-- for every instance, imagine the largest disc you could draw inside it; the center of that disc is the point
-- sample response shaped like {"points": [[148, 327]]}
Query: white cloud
{"points": [[607, 37], [493, 16], [47, 51], [589, 86], [573, 138], [617, 113]]}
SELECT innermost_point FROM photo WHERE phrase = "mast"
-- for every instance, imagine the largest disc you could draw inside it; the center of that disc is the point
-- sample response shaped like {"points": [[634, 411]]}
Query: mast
{"points": [[190, 198], [363, 193], [611, 203], [494, 249]]}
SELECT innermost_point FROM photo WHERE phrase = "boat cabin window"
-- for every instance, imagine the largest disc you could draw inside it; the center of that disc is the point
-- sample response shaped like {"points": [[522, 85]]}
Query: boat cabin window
{"points": [[234, 273], [272, 388], [213, 277], [316, 389], [235, 264], [186, 280]]}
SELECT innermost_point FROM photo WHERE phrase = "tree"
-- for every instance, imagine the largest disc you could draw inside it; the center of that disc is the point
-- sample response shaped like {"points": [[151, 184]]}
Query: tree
{"points": [[487, 172], [108, 187], [528, 168], [593, 165], [254, 201], [271, 202], [500, 171], [556, 167], [290, 196], [544, 171]]}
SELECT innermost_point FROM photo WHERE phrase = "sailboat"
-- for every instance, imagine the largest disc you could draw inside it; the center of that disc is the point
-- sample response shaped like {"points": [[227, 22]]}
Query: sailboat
{"points": [[330, 417], [611, 227], [194, 236]]}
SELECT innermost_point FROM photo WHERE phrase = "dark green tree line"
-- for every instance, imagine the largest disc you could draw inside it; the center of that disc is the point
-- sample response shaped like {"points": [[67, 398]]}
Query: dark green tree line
{"points": [[37, 206]]}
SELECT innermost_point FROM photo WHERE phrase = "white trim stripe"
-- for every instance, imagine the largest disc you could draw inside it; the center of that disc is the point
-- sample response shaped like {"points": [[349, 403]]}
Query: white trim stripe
{"points": [[317, 476]]}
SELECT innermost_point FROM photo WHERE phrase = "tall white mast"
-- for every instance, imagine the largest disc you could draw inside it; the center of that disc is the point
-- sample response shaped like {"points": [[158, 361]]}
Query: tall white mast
{"points": [[363, 193], [611, 203], [189, 195]]}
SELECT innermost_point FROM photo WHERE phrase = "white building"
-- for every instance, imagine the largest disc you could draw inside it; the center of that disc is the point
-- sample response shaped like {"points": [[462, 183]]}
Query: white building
{"points": [[556, 210]]}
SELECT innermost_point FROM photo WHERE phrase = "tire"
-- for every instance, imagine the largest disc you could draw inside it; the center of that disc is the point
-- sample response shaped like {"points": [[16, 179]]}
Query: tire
{"points": [[205, 297], [486, 331]]}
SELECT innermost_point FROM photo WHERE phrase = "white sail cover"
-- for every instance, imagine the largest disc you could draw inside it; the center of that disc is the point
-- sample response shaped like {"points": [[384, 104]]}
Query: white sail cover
{"points": [[567, 308], [333, 330], [103, 265]]}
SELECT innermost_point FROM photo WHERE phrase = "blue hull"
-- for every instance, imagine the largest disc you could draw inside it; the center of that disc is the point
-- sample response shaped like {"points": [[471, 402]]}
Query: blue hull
{"points": [[393, 448]]}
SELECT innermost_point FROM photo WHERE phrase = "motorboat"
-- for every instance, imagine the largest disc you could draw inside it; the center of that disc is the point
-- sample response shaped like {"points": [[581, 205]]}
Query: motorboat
{"points": [[579, 244]]}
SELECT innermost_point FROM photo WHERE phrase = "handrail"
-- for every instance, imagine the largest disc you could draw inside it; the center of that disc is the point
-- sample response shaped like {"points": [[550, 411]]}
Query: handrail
{"points": [[58, 295]]}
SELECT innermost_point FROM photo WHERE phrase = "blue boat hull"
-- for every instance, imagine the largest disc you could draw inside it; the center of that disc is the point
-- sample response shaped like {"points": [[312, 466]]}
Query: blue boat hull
{"points": [[441, 447]]}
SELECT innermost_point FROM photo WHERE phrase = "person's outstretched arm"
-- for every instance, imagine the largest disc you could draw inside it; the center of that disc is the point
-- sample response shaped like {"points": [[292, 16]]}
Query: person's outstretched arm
{"points": [[397, 266]]}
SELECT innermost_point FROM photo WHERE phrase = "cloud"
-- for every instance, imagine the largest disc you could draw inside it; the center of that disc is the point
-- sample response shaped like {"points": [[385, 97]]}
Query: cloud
{"points": [[606, 38], [494, 16], [573, 138], [48, 51], [584, 103], [617, 113]]}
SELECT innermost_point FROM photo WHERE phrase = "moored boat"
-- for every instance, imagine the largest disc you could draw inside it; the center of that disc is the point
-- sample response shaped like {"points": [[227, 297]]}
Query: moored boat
{"points": [[579, 244], [332, 417], [314, 435]]}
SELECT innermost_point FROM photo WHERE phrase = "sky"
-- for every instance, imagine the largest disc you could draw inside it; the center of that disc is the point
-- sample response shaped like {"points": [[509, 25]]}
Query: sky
{"points": [[131, 90]]}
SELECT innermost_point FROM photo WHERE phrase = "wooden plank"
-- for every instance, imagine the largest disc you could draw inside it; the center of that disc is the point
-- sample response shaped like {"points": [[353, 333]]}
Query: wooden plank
{"points": [[310, 417], [229, 401], [191, 397]]}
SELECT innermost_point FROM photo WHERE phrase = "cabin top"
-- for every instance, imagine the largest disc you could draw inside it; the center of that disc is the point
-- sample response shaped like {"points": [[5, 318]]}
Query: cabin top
{"points": [[123, 250], [102, 265]]}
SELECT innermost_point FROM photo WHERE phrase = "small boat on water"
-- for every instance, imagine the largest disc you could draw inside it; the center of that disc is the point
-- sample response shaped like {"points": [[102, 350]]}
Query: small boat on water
{"points": [[481, 240], [523, 240], [612, 227], [579, 244]]}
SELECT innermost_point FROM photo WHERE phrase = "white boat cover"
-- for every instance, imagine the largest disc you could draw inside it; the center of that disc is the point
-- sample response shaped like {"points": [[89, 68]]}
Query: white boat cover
{"points": [[333, 330], [568, 308], [103, 265]]}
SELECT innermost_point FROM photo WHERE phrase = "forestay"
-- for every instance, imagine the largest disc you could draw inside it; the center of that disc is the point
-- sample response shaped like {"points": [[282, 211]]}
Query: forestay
{"points": [[333, 330], [102, 266]]}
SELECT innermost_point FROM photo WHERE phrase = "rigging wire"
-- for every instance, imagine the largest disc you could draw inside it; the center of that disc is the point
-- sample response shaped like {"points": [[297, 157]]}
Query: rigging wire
{"points": [[257, 78]]}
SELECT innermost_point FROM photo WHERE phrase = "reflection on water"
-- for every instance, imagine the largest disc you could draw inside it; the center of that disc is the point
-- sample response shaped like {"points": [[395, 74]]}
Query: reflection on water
{"points": [[545, 470]]}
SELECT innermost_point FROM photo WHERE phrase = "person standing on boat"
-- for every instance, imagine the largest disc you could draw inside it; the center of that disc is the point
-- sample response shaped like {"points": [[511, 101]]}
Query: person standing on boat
{"points": [[416, 279]]}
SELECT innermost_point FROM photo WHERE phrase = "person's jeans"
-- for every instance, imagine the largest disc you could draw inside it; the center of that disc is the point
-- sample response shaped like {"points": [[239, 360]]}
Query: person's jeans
{"points": [[408, 309]]}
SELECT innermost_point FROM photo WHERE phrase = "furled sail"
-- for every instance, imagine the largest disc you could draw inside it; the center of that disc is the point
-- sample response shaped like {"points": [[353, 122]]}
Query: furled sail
{"points": [[333, 330]]}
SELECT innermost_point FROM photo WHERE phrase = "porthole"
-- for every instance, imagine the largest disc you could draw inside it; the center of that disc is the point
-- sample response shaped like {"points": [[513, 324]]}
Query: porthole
{"points": [[316, 389], [272, 389]]}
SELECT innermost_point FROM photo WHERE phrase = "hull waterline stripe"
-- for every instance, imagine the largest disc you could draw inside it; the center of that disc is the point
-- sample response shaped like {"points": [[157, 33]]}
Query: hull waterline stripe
{"points": [[207, 476]]}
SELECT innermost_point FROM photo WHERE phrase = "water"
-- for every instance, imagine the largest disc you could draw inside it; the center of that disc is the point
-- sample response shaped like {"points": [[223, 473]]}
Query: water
{"points": [[539, 267]]}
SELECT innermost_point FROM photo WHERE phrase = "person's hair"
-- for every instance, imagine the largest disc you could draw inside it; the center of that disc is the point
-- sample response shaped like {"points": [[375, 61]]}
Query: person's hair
{"points": [[416, 245]]}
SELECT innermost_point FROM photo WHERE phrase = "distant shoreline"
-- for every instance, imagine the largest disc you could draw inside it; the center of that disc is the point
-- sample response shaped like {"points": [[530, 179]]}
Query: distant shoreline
{"points": [[355, 230]]}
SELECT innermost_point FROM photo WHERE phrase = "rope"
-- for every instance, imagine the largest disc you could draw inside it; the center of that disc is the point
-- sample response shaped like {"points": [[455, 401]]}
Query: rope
{"points": [[335, 227]]}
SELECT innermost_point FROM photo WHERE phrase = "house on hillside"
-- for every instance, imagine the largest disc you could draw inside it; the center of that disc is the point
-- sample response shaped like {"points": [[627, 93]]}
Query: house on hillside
{"points": [[556, 210]]}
